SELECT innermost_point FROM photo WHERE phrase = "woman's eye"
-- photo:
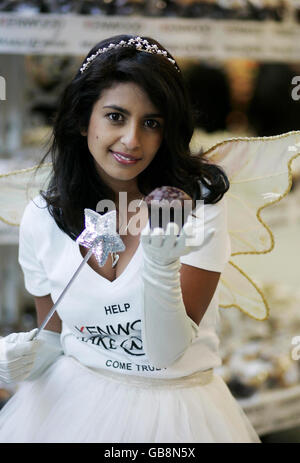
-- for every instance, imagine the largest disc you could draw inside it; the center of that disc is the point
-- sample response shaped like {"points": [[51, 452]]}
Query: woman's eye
{"points": [[114, 117], [152, 124]]}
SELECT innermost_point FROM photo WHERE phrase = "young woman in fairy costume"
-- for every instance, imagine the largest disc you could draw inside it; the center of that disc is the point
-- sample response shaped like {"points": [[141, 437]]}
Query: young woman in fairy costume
{"points": [[130, 354]]}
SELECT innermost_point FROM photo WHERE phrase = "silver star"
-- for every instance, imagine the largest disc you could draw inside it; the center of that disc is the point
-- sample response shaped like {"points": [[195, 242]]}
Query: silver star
{"points": [[100, 232]]}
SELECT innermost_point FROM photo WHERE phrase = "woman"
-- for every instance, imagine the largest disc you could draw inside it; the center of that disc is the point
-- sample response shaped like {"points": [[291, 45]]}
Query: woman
{"points": [[129, 356]]}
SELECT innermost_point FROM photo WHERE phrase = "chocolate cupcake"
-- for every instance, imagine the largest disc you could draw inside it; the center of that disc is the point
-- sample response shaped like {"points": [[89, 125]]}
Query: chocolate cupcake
{"points": [[168, 204]]}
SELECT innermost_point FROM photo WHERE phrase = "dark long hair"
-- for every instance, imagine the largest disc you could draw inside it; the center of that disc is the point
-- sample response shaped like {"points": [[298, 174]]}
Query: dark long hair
{"points": [[75, 183]]}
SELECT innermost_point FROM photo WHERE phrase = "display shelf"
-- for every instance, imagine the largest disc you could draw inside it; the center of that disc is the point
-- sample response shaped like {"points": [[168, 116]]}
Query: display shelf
{"points": [[273, 410], [192, 38]]}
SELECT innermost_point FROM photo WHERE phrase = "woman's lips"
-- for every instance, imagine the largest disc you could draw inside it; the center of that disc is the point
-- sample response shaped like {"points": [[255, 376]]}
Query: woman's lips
{"points": [[124, 158]]}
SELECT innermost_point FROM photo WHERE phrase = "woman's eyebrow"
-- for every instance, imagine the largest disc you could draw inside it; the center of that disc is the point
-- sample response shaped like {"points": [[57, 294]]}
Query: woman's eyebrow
{"points": [[125, 111]]}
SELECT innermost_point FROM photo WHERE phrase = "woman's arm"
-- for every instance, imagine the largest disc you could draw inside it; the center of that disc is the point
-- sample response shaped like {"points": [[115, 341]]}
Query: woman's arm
{"points": [[167, 329], [180, 278], [198, 287], [43, 304]]}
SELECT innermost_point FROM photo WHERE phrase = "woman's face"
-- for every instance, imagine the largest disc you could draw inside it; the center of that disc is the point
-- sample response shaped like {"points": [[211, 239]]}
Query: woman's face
{"points": [[124, 134]]}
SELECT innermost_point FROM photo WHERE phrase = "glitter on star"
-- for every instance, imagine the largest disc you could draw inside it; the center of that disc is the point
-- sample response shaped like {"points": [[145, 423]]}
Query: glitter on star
{"points": [[101, 229]]}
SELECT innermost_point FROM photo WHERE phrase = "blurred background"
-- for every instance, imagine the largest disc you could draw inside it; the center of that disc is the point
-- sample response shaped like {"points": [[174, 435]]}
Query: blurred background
{"points": [[240, 60]]}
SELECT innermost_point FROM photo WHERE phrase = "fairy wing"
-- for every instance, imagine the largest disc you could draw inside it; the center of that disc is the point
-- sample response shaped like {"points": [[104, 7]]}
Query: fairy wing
{"points": [[259, 170], [18, 188]]}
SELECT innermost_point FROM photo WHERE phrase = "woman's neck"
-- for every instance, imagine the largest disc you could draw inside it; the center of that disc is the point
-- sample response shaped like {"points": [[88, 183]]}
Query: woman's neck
{"points": [[123, 198]]}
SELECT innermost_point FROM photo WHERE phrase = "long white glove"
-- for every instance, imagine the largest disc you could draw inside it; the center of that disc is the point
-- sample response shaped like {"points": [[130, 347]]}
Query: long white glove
{"points": [[22, 357], [166, 327]]}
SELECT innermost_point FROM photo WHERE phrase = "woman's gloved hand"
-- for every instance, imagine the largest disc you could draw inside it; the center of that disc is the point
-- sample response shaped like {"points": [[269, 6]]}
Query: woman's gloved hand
{"points": [[23, 357], [165, 247], [167, 330]]}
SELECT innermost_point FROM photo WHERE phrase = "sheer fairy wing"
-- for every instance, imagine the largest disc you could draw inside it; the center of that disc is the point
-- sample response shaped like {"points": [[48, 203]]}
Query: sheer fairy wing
{"points": [[259, 170], [18, 188]]}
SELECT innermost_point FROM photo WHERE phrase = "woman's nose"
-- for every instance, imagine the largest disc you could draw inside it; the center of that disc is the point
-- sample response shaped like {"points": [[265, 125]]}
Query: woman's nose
{"points": [[131, 137]]}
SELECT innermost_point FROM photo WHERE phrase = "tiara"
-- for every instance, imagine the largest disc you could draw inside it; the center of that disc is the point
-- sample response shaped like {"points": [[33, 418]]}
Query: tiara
{"points": [[139, 44]]}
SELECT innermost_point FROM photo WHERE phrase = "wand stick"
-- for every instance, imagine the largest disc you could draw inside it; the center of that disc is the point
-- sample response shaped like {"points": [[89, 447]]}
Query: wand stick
{"points": [[53, 309], [101, 238]]}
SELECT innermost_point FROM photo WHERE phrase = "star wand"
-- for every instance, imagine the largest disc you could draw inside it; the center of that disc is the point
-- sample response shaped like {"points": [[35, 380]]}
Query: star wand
{"points": [[100, 236]]}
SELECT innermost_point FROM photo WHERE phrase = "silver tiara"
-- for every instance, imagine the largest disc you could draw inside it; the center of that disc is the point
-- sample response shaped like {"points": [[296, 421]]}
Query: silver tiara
{"points": [[140, 45]]}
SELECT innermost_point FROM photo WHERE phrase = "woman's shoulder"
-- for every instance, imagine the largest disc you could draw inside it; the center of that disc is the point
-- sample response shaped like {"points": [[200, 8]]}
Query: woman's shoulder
{"points": [[212, 210], [39, 228], [36, 214], [215, 254]]}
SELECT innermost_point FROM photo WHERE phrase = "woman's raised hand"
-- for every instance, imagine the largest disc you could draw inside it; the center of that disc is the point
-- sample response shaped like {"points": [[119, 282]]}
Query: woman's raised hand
{"points": [[166, 246]]}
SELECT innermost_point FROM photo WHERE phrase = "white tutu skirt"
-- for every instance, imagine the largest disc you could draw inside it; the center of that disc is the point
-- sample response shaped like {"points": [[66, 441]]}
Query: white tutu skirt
{"points": [[70, 403]]}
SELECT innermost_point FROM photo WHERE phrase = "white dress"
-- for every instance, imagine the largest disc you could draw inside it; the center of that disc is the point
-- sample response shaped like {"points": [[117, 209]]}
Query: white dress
{"points": [[103, 389]]}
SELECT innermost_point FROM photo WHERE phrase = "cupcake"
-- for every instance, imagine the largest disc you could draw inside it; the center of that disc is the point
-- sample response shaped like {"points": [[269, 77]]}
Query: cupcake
{"points": [[168, 204]]}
